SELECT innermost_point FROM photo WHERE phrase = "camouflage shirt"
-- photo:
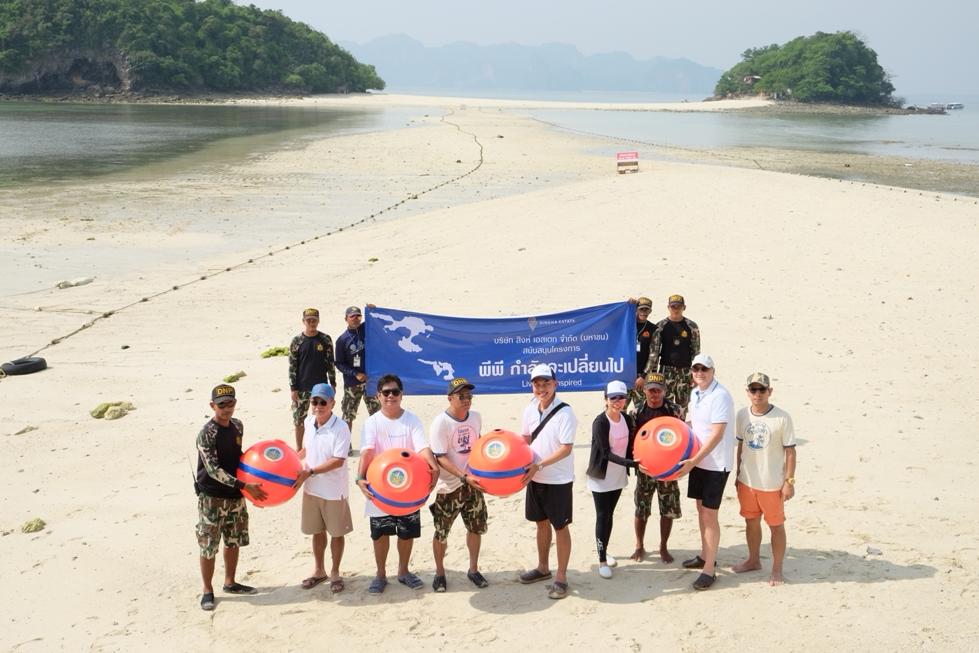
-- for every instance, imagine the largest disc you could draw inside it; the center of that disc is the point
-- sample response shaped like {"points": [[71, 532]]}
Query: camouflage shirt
{"points": [[690, 337]]}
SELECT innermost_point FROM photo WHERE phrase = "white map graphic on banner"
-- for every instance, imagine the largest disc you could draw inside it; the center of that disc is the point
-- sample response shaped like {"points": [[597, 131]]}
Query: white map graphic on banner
{"points": [[415, 326]]}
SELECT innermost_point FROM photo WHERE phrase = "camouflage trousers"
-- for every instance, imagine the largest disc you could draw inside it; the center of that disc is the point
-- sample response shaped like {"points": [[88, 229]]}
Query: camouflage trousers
{"points": [[219, 518], [678, 381], [669, 497], [351, 401], [301, 407], [465, 500]]}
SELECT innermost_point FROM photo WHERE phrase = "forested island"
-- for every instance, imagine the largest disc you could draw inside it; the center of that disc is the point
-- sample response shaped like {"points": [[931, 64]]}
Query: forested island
{"points": [[830, 68], [188, 46]]}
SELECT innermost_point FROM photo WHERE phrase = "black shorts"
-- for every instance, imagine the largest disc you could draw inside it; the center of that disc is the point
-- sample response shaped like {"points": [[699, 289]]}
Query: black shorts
{"points": [[406, 527], [551, 502], [708, 486]]}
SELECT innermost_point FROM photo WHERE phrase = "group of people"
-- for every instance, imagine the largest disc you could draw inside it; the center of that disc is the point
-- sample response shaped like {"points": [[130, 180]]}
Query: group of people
{"points": [[678, 381]]}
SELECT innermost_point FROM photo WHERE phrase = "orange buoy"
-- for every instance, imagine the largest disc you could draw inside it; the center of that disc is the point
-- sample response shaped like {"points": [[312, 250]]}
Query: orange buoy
{"points": [[499, 461], [275, 465], [661, 445], [399, 481]]}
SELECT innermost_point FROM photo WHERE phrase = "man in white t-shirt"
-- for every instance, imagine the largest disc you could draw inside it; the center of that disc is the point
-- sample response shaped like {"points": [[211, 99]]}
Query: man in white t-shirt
{"points": [[452, 436], [326, 440], [766, 473], [549, 477], [392, 427], [711, 418]]}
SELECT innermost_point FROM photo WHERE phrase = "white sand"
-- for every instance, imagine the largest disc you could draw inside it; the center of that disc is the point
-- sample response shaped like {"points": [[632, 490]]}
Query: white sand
{"points": [[857, 299]]}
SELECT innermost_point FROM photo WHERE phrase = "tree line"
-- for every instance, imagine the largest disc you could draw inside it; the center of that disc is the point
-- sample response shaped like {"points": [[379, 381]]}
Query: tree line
{"points": [[180, 44], [823, 67]]}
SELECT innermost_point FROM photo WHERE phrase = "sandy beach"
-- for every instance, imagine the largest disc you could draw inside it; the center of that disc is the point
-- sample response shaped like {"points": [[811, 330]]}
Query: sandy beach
{"points": [[829, 286]]}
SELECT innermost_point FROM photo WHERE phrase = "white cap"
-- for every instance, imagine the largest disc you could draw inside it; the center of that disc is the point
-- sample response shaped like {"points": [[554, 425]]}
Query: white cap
{"points": [[541, 370], [703, 359], [616, 388]]}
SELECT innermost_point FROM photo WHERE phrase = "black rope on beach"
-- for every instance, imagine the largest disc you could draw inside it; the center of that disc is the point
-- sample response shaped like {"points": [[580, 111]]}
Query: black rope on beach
{"points": [[272, 252]]}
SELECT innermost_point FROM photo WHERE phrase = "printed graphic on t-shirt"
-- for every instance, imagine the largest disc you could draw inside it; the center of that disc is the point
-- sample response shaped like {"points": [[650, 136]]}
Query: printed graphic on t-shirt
{"points": [[758, 435], [464, 436]]}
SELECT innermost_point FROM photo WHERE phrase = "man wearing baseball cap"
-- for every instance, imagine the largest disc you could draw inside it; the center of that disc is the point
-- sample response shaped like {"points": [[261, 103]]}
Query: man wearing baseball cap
{"points": [[676, 341], [711, 418], [352, 363], [325, 479], [310, 362], [451, 438], [644, 338], [220, 506], [655, 405], [549, 427], [765, 473]]}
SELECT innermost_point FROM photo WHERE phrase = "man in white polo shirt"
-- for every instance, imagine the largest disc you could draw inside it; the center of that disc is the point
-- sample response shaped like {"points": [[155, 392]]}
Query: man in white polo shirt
{"points": [[549, 426], [326, 440], [711, 418]]}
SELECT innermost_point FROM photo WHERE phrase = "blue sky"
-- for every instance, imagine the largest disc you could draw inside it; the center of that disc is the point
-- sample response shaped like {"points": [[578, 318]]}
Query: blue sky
{"points": [[928, 46]]}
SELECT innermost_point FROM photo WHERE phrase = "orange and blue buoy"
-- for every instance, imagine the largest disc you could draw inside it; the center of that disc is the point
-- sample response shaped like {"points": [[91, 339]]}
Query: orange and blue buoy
{"points": [[275, 465], [662, 444], [398, 481], [499, 461]]}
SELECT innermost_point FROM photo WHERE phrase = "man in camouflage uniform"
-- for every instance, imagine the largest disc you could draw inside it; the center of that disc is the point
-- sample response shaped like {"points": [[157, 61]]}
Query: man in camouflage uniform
{"points": [[451, 437], [655, 405], [220, 505], [352, 362], [675, 343], [310, 362]]}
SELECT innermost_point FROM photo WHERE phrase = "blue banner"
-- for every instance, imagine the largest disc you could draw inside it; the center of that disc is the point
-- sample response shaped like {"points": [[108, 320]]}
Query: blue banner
{"points": [[586, 348]]}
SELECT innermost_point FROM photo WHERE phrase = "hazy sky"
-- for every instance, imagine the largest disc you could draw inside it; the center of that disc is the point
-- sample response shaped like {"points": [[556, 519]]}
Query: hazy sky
{"points": [[928, 46]]}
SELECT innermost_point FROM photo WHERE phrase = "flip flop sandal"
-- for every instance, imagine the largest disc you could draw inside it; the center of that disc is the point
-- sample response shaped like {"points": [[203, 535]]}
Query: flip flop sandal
{"points": [[412, 581], [377, 585], [337, 586], [238, 588], [533, 576], [557, 590], [695, 562], [704, 581], [313, 581], [207, 601]]}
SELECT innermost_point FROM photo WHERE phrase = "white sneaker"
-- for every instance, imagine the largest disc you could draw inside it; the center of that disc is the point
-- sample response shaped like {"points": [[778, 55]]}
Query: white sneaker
{"points": [[604, 571], [610, 561]]}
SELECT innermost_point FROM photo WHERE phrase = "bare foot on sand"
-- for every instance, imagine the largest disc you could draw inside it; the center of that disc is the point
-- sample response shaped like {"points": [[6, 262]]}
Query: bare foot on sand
{"points": [[776, 579], [664, 555], [747, 565], [638, 555]]}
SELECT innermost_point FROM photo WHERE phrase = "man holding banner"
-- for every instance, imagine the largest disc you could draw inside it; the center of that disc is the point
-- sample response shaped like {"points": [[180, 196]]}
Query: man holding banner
{"points": [[549, 426]]}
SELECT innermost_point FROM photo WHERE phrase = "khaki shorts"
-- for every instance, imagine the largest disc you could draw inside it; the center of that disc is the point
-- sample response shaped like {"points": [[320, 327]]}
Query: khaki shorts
{"points": [[219, 518], [324, 515]]}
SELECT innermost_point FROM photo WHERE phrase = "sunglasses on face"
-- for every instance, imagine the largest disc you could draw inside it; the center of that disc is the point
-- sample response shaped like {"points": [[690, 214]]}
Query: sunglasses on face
{"points": [[464, 396], [318, 402], [756, 389], [391, 392], [699, 368], [227, 404], [616, 397]]}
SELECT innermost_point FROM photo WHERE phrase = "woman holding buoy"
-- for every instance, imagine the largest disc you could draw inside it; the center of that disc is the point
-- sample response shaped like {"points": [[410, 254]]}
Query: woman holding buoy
{"points": [[612, 436]]}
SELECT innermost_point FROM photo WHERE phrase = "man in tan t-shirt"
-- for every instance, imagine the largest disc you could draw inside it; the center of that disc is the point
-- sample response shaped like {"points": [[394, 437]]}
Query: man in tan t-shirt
{"points": [[766, 473]]}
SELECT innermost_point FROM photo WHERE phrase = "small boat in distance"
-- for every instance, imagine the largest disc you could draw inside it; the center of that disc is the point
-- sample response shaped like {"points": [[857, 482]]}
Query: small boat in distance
{"points": [[954, 105]]}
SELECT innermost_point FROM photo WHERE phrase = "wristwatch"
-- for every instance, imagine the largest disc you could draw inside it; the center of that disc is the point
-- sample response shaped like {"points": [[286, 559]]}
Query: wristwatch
{"points": [[540, 467], [790, 480]]}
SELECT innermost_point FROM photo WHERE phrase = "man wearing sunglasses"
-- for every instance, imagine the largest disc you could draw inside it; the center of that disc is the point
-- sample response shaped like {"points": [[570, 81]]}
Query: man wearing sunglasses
{"points": [[676, 340], [324, 478], [392, 427], [711, 418], [310, 362], [220, 506], [453, 434], [765, 473]]}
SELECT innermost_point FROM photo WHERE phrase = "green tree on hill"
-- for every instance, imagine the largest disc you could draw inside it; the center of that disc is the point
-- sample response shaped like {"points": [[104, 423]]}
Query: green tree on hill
{"points": [[169, 44], [819, 68]]}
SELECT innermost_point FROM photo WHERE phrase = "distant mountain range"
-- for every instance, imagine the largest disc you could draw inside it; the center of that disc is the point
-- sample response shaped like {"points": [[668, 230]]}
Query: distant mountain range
{"points": [[404, 62]]}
